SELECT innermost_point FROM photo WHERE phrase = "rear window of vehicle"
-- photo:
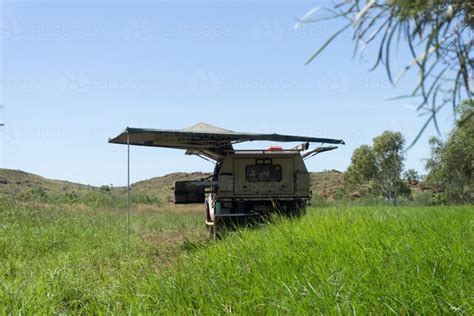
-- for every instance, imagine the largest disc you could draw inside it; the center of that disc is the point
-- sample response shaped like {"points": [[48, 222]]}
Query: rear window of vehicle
{"points": [[263, 173]]}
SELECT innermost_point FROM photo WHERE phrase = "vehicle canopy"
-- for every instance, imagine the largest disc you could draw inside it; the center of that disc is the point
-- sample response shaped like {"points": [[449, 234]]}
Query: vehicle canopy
{"points": [[204, 139]]}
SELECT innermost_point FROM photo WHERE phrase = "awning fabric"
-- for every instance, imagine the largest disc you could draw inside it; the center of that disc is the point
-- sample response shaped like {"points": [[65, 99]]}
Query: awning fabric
{"points": [[202, 138]]}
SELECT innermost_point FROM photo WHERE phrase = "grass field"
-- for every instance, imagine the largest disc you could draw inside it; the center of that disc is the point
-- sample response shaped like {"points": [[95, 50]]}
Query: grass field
{"points": [[78, 259]]}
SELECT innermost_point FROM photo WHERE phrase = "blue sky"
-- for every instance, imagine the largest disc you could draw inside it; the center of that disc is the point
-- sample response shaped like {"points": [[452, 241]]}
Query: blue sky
{"points": [[74, 74]]}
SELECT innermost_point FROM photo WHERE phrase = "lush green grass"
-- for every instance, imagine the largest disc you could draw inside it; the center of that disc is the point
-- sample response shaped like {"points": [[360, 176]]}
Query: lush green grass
{"points": [[75, 259], [337, 260], [63, 258]]}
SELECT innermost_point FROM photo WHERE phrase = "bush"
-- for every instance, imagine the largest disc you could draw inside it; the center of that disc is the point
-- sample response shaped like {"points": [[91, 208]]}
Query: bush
{"points": [[36, 194], [451, 167], [71, 197], [105, 188], [142, 198], [102, 199]]}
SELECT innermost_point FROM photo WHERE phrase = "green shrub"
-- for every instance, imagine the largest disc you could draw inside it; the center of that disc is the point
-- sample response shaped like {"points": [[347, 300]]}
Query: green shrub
{"points": [[71, 197], [105, 188], [142, 198], [35, 194], [99, 199]]}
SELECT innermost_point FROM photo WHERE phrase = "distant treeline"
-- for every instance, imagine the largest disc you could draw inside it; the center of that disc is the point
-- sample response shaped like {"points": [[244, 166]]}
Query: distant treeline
{"points": [[376, 171]]}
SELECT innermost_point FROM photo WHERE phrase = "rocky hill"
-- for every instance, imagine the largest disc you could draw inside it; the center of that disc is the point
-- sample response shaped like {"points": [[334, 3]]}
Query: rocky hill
{"points": [[17, 183]]}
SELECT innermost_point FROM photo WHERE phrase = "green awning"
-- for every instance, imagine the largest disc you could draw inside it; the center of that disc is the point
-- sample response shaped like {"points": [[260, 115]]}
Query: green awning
{"points": [[212, 141]]}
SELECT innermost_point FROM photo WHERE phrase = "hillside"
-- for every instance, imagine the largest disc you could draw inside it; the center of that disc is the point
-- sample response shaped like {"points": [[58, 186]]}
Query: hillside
{"points": [[162, 186], [18, 183], [324, 184]]}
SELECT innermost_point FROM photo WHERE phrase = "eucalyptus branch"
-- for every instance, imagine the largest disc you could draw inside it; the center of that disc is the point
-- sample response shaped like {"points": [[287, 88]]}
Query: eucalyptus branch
{"points": [[438, 35]]}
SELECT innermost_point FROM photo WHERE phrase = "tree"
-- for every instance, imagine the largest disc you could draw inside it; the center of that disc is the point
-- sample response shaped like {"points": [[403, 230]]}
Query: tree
{"points": [[388, 150], [362, 167], [451, 166], [412, 176], [437, 34], [379, 167]]}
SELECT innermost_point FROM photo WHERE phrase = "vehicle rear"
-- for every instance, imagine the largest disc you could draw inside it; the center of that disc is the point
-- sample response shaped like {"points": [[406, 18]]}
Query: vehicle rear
{"points": [[261, 182]]}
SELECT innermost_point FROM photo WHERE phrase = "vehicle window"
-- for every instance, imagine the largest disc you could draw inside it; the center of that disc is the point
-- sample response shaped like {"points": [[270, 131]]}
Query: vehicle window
{"points": [[263, 173]]}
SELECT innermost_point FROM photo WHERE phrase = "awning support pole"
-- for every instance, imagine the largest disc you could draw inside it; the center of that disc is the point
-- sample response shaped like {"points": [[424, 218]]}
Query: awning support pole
{"points": [[128, 190]]}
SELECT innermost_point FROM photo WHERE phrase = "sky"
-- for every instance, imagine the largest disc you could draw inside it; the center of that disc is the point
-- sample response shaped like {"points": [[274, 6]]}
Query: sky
{"points": [[76, 73]]}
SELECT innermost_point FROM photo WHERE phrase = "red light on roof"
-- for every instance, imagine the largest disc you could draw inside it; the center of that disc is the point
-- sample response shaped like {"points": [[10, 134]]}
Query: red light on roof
{"points": [[275, 148]]}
